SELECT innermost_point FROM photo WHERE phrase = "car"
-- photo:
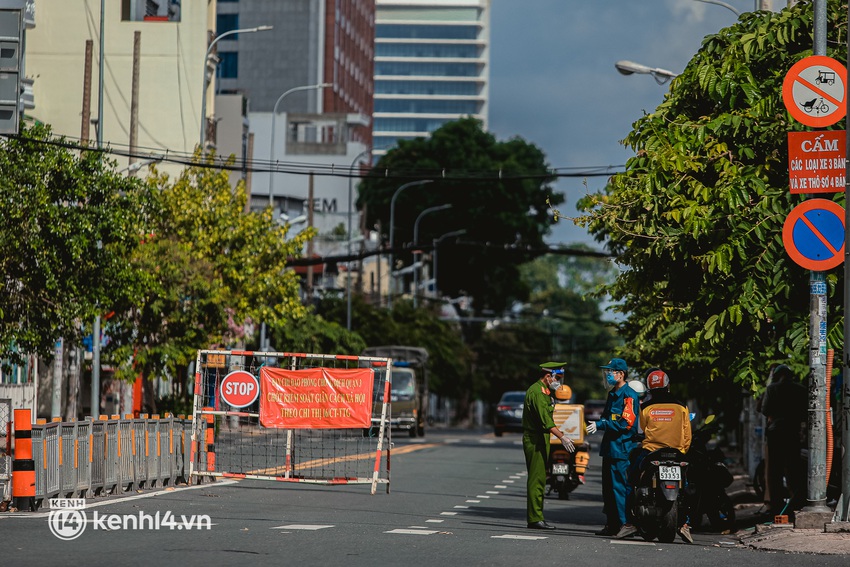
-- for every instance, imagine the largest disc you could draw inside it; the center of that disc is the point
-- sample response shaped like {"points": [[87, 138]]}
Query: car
{"points": [[593, 409], [509, 413]]}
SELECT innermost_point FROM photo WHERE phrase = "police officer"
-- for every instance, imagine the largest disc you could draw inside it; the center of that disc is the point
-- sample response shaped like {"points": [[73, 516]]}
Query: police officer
{"points": [[537, 425], [618, 423]]}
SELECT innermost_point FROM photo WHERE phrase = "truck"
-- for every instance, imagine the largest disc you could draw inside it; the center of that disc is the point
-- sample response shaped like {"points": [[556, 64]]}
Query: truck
{"points": [[409, 386]]}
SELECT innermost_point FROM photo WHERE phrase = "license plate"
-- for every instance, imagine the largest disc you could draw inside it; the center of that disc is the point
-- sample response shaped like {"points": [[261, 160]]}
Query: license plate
{"points": [[560, 468], [670, 473]]}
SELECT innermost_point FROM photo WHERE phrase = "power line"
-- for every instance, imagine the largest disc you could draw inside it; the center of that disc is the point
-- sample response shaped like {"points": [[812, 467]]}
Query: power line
{"points": [[326, 170]]}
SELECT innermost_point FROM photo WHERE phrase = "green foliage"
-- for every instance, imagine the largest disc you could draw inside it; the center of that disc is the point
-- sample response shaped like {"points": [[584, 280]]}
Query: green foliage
{"points": [[509, 212], [696, 220], [212, 267], [67, 227]]}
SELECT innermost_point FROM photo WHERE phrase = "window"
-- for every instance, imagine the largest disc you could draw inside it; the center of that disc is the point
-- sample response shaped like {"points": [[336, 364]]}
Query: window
{"points": [[150, 10], [228, 68], [226, 22]]}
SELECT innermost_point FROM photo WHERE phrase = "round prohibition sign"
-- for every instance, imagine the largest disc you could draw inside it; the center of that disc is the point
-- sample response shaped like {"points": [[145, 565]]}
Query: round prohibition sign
{"points": [[813, 234], [814, 91], [239, 389]]}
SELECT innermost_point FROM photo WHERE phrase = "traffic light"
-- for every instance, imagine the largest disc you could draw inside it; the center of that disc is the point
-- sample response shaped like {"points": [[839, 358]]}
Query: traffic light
{"points": [[11, 67]]}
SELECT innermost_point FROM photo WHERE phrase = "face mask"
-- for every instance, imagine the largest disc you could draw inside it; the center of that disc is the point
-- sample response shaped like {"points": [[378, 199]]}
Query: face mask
{"points": [[554, 385], [610, 379]]}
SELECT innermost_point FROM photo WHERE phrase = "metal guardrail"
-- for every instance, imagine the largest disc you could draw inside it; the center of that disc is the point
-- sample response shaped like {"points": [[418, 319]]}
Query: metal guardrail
{"points": [[89, 458]]}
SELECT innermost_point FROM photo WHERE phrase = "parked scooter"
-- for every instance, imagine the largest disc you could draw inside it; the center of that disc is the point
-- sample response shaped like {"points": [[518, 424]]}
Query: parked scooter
{"points": [[565, 471], [708, 478], [658, 493]]}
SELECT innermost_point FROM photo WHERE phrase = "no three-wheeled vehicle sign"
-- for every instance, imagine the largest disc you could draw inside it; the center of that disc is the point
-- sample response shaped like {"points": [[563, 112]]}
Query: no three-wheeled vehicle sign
{"points": [[814, 90], [813, 234]]}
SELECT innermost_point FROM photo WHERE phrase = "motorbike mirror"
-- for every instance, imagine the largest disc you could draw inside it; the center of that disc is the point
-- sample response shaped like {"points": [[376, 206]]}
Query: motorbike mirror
{"points": [[709, 419]]}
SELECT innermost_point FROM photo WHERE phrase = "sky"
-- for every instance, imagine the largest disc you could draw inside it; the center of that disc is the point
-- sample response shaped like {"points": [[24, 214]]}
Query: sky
{"points": [[554, 84]]}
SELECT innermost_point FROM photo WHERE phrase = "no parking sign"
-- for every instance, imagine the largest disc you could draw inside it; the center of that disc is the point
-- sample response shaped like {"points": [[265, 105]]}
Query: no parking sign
{"points": [[813, 234]]}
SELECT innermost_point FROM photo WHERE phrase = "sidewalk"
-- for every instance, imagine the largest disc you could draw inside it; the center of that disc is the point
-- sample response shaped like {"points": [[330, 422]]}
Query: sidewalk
{"points": [[757, 530]]}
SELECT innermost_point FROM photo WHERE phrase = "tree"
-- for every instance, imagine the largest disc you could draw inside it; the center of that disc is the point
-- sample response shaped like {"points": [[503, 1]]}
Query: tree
{"points": [[696, 219], [502, 217], [68, 226], [212, 268]]}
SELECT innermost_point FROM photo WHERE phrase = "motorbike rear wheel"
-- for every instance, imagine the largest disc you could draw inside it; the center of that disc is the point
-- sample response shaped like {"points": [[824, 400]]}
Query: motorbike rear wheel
{"points": [[669, 521]]}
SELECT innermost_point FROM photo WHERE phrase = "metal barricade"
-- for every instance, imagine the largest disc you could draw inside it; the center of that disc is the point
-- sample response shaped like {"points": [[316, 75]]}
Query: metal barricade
{"points": [[5, 449], [165, 450], [126, 450], [67, 458], [186, 437], [83, 458], [50, 461], [139, 464], [152, 451], [110, 450]]}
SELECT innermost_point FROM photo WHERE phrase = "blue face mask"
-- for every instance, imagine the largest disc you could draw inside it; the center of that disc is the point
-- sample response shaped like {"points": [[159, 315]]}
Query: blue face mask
{"points": [[611, 379]]}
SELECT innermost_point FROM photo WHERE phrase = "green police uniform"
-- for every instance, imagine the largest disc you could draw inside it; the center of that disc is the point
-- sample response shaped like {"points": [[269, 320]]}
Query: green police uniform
{"points": [[536, 423]]}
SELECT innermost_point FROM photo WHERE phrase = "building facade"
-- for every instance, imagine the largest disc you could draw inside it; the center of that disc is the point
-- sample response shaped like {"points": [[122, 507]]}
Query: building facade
{"points": [[432, 66], [173, 44]]}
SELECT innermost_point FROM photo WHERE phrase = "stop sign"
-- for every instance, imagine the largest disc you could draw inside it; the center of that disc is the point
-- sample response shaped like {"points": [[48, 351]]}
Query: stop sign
{"points": [[239, 389]]}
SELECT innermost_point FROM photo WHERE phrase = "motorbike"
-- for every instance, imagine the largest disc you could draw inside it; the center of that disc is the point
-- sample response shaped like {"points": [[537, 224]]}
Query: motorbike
{"points": [[565, 471], [708, 478], [657, 494]]}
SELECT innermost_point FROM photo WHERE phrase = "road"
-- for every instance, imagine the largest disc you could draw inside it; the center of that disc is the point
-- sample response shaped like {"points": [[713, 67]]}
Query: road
{"points": [[457, 498]]}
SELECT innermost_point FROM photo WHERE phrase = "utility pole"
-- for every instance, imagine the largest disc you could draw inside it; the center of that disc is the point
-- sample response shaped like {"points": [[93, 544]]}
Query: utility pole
{"points": [[86, 121], [816, 513], [95, 345], [310, 242], [844, 513], [134, 102]]}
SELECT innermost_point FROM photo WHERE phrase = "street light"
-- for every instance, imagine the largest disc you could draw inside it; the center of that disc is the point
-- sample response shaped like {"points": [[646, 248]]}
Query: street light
{"points": [[274, 116], [416, 241], [725, 5], [205, 82], [436, 242], [392, 232], [348, 281], [661, 76]]}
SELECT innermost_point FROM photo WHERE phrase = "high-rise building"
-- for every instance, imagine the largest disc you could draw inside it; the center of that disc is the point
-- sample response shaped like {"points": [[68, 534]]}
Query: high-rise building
{"points": [[432, 66]]}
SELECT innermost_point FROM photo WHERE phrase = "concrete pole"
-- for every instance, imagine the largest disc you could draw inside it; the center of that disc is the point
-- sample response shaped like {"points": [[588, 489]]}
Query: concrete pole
{"points": [[56, 390], [95, 347], [310, 242], [87, 70], [134, 104], [816, 513]]}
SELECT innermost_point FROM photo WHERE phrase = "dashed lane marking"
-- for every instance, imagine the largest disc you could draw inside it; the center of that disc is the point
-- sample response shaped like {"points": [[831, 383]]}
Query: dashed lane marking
{"points": [[462, 507], [500, 486], [492, 491], [412, 532], [513, 536], [474, 501], [448, 513], [433, 521], [508, 481], [482, 496], [305, 527], [487, 441], [633, 542]]}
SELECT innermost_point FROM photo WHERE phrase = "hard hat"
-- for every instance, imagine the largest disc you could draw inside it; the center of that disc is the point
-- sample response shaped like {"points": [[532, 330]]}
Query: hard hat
{"points": [[564, 393], [657, 378], [638, 387]]}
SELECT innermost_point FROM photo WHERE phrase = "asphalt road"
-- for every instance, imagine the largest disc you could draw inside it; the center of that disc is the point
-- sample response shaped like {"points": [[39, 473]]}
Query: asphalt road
{"points": [[457, 498]]}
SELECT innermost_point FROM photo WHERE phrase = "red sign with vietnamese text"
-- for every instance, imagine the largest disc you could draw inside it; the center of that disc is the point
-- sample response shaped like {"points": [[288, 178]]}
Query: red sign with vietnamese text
{"points": [[817, 161], [316, 398]]}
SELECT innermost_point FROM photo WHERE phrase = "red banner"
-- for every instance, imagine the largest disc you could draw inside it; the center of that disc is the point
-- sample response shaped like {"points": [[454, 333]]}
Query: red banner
{"points": [[816, 161], [316, 398]]}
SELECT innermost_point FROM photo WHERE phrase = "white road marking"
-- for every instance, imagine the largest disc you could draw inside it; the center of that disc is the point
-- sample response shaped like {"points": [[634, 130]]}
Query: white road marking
{"points": [[448, 513], [462, 507], [515, 477], [433, 521], [623, 542], [128, 498], [412, 532], [305, 527], [487, 441], [448, 441], [500, 486], [474, 501], [512, 536], [508, 481], [482, 496], [492, 492], [416, 441]]}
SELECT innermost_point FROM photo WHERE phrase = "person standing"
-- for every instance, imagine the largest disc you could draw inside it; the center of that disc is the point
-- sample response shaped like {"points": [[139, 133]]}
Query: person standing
{"points": [[537, 425], [785, 404], [620, 438]]}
